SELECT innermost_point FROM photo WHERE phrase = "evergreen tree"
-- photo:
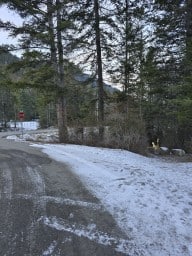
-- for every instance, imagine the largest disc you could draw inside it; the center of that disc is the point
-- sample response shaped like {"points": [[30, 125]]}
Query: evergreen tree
{"points": [[93, 34], [41, 38], [7, 100], [131, 48], [170, 92], [127, 46]]}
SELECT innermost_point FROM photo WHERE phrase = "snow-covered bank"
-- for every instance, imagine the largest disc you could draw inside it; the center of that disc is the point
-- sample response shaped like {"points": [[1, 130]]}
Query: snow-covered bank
{"points": [[151, 200]]}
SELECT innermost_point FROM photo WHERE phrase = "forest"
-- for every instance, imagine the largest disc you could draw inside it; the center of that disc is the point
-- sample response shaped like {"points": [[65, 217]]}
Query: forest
{"points": [[69, 49]]}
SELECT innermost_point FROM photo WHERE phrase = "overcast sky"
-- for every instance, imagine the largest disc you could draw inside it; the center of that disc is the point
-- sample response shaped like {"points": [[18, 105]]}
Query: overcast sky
{"points": [[7, 15]]}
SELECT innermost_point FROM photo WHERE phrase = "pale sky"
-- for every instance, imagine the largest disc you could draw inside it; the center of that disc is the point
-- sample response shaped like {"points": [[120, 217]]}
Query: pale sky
{"points": [[7, 15]]}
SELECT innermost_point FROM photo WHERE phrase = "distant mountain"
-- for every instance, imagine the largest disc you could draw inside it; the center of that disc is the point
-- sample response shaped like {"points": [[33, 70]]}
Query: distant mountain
{"points": [[85, 78], [7, 58]]}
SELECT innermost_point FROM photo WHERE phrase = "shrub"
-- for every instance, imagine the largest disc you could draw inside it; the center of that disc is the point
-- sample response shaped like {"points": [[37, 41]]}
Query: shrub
{"points": [[127, 132]]}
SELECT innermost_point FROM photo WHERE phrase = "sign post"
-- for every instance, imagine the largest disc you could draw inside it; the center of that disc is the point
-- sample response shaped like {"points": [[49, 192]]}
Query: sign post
{"points": [[21, 117]]}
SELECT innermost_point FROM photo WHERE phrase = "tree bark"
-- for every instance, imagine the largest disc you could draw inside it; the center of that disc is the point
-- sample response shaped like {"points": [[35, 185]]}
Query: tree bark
{"points": [[189, 20], [61, 103], [126, 86], [58, 66], [99, 69]]}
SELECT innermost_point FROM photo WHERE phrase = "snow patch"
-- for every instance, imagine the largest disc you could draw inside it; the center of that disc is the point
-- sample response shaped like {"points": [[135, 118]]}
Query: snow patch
{"points": [[90, 232], [150, 199], [25, 125], [13, 137], [36, 179], [60, 200], [50, 249], [7, 184]]}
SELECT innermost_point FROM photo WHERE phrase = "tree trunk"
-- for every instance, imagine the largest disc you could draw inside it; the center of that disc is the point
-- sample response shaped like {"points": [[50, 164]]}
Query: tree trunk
{"points": [[189, 19], [61, 103], [53, 48], [127, 64], [61, 118], [126, 85], [188, 28], [58, 66], [99, 69]]}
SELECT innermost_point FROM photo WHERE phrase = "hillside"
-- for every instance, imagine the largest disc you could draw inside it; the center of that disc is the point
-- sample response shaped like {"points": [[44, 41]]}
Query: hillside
{"points": [[7, 58]]}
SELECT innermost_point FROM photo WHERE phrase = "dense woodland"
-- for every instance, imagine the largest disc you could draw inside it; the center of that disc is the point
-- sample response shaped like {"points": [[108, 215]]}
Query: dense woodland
{"points": [[143, 46]]}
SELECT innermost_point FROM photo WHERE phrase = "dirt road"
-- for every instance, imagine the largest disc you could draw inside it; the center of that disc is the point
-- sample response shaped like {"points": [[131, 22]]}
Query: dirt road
{"points": [[45, 209]]}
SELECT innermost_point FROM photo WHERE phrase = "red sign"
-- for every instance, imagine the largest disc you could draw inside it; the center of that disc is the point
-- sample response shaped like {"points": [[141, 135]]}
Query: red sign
{"points": [[21, 115]]}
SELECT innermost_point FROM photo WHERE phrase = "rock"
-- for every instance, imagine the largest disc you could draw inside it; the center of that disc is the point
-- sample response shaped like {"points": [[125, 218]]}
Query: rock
{"points": [[164, 151], [178, 152]]}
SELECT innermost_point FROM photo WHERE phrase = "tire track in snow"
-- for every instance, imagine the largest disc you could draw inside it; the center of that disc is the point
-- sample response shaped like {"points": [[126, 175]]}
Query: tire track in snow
{"points": [[7, 183], [38, 188], [50, 249], [37, 196], [90, 232], [36, 180], [6, 187], [61, 201]]}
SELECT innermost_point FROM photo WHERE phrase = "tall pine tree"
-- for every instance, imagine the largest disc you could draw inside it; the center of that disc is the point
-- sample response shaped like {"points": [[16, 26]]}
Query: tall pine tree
{"points": [[41, 39]]}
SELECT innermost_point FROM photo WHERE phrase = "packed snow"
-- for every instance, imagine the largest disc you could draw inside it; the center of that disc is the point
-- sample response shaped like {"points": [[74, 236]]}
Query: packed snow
{"points": [[150, 198]]}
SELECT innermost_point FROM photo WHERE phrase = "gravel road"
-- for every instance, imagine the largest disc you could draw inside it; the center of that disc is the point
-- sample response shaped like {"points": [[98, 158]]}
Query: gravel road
{"points": [[46, 210]]}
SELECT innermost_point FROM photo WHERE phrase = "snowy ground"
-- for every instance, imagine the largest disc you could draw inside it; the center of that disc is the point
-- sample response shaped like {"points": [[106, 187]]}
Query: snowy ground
{"points": [[150, 199]]}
